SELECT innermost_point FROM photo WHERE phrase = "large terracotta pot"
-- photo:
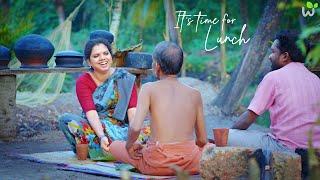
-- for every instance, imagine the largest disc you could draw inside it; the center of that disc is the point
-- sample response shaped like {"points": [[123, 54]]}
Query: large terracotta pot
{"points": [[5, 57], [102, 34], [33, 51], [138, 60], [71, 59]]}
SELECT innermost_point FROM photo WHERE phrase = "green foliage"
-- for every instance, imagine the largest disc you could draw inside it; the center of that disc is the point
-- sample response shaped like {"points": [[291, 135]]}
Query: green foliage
{"points": [[144, 12], [32, 84], [196, 63], [13, 27], [314, 160], [68, 83], [313, 57], [92, 15], [43, 13], [79, 38], [134, 27], [233, 59], [312, 34]]}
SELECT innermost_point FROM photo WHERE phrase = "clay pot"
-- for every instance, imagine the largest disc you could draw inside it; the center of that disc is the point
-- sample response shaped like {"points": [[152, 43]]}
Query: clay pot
{"points": [[5, 57], [82, 151], [71, 59], [33, 51], [221, 136], [102, 34], [138, 60]]}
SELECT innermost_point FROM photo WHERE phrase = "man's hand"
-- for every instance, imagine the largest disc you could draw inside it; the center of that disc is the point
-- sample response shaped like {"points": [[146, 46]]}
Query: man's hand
{"points": [[134, 151], [104, 143]]}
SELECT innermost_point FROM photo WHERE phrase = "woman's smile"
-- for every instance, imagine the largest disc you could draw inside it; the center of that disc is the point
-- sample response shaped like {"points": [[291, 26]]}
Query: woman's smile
{"points": [[100, 59]]}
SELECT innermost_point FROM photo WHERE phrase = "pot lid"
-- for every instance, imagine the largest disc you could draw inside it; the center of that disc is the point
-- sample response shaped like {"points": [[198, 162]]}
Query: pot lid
{"points": [[69, 53], [33, 42], [102, 34]]}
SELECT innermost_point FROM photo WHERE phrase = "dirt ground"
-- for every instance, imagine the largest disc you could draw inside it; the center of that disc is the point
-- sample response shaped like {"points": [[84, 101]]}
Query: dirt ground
{"points": [[13, 167], [38, 132]]}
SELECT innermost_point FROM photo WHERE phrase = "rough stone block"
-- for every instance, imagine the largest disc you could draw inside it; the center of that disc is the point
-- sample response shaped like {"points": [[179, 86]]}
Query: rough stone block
{"points": [[225, 163], [285, 166]]}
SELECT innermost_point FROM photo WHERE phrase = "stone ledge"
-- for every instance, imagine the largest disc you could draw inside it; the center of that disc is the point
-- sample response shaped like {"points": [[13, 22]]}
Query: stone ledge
{"points": [[237, 163], [285, 166], [224, 162]]}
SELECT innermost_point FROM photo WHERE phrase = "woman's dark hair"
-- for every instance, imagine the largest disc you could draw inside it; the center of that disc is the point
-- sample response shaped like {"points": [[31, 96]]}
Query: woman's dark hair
{"points": [[287, 43], [91, 43]]}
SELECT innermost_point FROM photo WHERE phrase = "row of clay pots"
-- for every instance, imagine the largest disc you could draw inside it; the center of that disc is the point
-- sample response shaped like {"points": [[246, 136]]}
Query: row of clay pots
{"points": [[34, 51]]}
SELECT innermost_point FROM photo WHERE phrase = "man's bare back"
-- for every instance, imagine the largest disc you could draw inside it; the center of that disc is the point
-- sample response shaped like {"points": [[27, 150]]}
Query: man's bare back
{"points": [[174, 108], [176, 115]]}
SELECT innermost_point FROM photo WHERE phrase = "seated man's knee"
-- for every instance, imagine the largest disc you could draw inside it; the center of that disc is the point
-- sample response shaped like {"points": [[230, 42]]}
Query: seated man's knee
{"points": [[117, 146]]}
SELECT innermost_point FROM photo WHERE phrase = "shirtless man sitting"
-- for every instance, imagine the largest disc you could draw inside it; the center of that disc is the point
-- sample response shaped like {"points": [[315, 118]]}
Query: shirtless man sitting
{"points": [[176, 115]]}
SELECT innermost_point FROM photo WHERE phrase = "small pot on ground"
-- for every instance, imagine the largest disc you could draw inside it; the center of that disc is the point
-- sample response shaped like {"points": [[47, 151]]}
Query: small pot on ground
{"points": [[82, 151]]}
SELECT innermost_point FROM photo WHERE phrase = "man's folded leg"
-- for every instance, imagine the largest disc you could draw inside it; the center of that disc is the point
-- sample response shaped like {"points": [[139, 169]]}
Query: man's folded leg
{"points": [[158, 159], [119, 151]]}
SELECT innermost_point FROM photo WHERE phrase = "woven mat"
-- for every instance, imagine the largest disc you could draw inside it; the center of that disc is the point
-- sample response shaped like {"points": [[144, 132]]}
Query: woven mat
{"points": [[67, 160]]}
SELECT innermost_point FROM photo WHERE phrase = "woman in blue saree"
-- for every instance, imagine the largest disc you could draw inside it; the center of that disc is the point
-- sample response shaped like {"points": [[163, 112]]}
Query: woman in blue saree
{"points": [[108, 98]]}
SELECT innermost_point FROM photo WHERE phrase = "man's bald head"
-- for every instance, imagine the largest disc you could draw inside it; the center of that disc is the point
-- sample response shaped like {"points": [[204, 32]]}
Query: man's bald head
{"points": [[169, 56]]}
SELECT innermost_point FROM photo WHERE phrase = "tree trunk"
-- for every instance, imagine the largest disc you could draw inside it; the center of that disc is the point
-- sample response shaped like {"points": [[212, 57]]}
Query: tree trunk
{"points": [[60, 10], [230, 96], [245, 20], [223, 46], [115, 20], [173, 33], [265, 66]]}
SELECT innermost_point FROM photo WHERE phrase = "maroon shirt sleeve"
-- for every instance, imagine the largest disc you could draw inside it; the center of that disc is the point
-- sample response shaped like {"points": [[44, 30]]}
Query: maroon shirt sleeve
{"points": [[133, 98], [85, 87]]}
